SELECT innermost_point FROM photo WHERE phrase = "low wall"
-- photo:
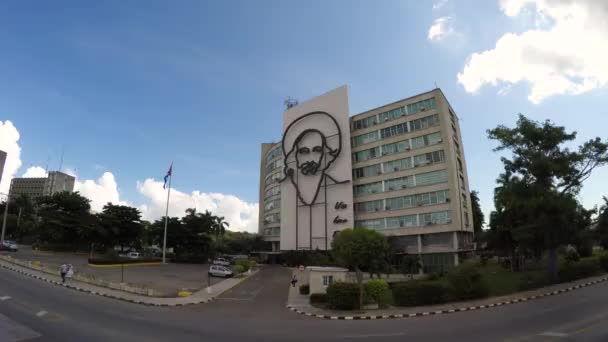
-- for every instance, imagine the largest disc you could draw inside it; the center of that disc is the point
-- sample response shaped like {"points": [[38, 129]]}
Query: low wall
{"points": [[82, 277]]}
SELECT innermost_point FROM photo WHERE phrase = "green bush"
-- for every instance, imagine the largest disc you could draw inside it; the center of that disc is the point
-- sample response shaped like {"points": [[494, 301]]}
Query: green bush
{"points": [[378, 291], [578, 270], [304, 289], [465, 282], [238, 269], [244, 263], [571, 255], [343, 296], [318, 298], [604, 262], [417, 292], [253, 264]]}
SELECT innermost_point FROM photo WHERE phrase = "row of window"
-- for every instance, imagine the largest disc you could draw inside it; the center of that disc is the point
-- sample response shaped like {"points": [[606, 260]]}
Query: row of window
{"points": [[400, 164], [275, 190], [398, 147], [273, 204], [272, 218], [272, 231], [427, 178], [415, 220], [271, 178], [273, 165], [396, 113], [273, 154], [403, 202], [399, 129]]}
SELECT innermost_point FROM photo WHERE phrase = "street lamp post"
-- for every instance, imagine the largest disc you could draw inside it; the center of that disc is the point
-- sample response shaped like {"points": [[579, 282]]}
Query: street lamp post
{"points": [[5, 215]]}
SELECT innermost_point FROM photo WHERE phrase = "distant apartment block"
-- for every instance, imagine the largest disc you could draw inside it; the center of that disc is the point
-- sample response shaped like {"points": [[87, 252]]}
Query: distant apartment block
{"points": [[35, 187]]}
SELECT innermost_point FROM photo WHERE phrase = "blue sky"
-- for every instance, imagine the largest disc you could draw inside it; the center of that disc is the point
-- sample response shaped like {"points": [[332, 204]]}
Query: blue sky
{"points": [[127, 87]]}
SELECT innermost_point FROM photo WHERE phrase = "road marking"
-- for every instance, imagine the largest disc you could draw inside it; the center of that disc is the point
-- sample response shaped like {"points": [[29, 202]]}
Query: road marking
{"points": [[41, 313], [554, 334], [3, 298], [373, 335]]}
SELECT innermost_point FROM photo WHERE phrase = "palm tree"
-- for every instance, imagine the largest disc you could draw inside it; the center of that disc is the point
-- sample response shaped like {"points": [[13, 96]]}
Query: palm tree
{"points": [[220, 226]]}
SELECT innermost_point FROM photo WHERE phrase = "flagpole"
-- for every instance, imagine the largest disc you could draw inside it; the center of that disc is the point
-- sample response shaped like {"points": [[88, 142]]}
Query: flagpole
{"points": [[166, 220]]}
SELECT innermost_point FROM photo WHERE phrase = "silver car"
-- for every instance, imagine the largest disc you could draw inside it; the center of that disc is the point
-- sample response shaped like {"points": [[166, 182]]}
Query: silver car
{"points": [[220, 271]]}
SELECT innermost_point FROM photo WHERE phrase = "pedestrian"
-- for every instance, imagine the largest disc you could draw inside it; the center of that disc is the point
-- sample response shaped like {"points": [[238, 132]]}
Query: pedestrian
{"points": [[70, 272], [63, 270], [294, 280]]}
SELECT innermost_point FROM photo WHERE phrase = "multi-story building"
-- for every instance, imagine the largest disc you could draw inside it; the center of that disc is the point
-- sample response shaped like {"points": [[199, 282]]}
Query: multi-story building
{"points": [[35, 187], [407, 178], [2, 161]]}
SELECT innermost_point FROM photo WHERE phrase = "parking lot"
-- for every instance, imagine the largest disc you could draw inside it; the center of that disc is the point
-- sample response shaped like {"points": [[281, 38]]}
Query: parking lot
{"points": [[165, 279]]}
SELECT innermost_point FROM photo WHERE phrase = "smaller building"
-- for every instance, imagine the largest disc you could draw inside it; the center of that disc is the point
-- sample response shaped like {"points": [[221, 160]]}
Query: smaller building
{"points": [[36, 187], [319, 278]]}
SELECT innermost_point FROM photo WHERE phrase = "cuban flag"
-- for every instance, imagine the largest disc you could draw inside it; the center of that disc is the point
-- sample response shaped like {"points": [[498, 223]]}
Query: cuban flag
{"points": [[168, 175]]}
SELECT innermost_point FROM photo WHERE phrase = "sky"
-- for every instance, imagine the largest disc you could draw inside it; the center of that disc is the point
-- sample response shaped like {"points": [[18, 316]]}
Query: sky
{"points": [[122, 89]]}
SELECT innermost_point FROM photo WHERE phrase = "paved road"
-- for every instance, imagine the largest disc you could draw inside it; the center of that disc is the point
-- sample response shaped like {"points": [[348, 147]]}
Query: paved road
{"points": [[167, 280], [254, 311]]}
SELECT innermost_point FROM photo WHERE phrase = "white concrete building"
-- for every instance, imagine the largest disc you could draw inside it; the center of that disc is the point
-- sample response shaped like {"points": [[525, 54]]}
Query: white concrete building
{"points": [[35, 187], [398, 169]]}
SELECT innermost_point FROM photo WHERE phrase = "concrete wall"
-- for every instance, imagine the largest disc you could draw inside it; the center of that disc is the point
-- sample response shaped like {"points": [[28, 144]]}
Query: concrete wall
{"points": [[315, 279]]}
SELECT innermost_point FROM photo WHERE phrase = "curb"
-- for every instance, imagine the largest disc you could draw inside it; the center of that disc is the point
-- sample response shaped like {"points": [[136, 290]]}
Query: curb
{"points": [[460, 309], [94, 292]]}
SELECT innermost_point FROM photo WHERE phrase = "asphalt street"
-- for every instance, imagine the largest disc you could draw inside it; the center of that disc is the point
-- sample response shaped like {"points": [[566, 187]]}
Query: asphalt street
{"points": [[255, 311]]}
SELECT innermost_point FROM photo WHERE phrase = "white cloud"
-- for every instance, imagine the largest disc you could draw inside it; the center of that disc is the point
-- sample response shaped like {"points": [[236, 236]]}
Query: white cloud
{"points": [[34, 172], [440, 29], [241, 215], [100, 192], [569, 57], [9, 143], [439, 4]]}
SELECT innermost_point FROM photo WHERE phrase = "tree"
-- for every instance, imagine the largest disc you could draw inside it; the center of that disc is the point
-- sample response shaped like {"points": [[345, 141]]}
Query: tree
{"points": [[122, 225], [66, 220], [536, 197], [360, 249], [219, 226], [602, 225], [410, 265], [478, 218]]}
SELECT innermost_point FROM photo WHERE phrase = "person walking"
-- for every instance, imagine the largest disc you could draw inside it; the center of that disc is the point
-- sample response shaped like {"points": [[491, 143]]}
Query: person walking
{"points": [[294, 280], [63, 270], [70, 272]]}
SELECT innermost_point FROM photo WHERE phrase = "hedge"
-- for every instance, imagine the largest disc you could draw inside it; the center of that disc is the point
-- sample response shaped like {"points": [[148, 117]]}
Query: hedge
{"points": [[378, 291], [419, 292], [604, 262], [318, 298], [238, 269], [577, 270], [244, 263], [304, 289], [343, 296], [465, 283]]}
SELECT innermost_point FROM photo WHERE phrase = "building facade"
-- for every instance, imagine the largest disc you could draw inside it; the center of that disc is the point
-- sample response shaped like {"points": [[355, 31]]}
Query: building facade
{"points": [[2, 162], [35, 187], [401, 170]]}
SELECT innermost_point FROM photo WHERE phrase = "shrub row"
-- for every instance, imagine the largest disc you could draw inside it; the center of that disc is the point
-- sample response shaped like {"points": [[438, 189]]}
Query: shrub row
{"points": [[604, 262], [343, 296], [318, 298], [582, 269], [419, 292]]}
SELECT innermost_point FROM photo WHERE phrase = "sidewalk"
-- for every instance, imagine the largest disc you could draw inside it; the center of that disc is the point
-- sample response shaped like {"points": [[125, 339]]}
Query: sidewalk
{"points": [[202, 296], [300, 303]]}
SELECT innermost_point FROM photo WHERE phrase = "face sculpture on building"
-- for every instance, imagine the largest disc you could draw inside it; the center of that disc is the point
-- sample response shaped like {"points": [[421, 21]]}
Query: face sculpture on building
{"points": [[309, 153]]}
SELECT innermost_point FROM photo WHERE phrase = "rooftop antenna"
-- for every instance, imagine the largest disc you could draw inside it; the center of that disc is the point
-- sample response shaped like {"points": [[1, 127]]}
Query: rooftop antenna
{"points": [[436, 85], [48, 160], [61, 160], [290, 102]]}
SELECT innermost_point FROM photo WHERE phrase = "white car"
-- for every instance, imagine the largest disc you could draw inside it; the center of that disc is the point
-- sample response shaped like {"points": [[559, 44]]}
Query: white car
{"points": [[10, 245], [133, 255], [220, 271], [221, 262]]}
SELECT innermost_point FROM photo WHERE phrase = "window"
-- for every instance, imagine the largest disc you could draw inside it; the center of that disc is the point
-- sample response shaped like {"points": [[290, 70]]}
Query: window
{"points": [[455, 131], [273, 204], [364, 123], [370, 206], [457, 145], [429, 158], [368, 171], [441, 217], [393, 114], [433, 177], [452, 116], [366, 154], [421, 106], [459, 164], [426, 122], [272, 191], [393, 130], [273, 154], [466, 219], [462, 182], [328, 280], [402, 202], [365, 138], [398, 183], [401, 221], [272, 218], [464, 200], [397, 165], [369, 188], [371, 224], [397, 147], [437, 262]]}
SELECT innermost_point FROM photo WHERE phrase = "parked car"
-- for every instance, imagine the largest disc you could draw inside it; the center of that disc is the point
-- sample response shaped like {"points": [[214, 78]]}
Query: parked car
{"points": [[8, 245], [221, 262], [133, 255], [220, 271]]}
